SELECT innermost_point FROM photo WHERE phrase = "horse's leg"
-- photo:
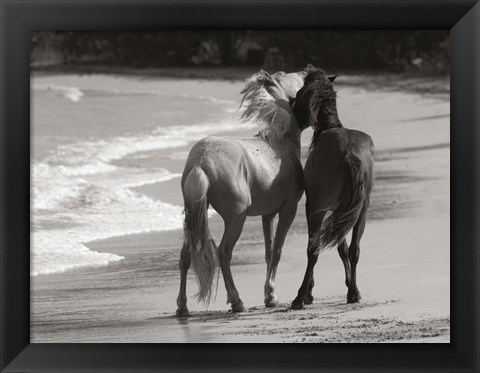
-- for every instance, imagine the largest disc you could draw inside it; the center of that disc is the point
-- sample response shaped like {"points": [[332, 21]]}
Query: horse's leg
{"points": [[267, 223], [285, 219], [314, 222], [233, 228], [353, 294], [343, 252], [309, 297], [184, 265]]}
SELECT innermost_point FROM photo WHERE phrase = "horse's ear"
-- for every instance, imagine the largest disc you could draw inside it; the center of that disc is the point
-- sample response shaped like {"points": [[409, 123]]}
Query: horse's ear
{"points": [[331, 78], [265, 77], [309, 67]]}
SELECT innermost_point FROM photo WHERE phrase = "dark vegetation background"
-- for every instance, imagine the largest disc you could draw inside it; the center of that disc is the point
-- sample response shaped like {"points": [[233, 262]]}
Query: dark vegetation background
{"points": [[422, 51]]}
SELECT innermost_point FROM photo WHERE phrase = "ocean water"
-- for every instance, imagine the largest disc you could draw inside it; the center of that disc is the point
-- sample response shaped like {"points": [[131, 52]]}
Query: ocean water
{"points": [[95, 138]]}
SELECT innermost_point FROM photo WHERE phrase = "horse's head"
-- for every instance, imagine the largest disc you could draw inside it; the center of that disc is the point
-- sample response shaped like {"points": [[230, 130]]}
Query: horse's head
{"points": [[267, 99], [314, 98], [279, 85], [290, 83]]}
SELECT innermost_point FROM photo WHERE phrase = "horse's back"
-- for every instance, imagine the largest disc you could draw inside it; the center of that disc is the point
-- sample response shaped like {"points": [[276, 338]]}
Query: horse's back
{"points": [[247, 171], [345, 141], [324, 170], [360, 143], [223, 161], [214, 155]]}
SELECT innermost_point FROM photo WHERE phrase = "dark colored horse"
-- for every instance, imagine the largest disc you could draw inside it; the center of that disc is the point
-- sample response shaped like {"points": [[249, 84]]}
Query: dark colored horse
{"points": [[338, 179]]}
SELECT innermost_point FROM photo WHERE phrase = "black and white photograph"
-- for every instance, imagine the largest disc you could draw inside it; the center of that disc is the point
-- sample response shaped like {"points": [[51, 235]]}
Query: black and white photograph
{"points": [[240, 186]]}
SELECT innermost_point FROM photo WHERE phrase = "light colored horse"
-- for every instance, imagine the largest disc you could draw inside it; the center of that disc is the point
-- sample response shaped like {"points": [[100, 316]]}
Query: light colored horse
{"points": [[338, 178], [240, 177]]}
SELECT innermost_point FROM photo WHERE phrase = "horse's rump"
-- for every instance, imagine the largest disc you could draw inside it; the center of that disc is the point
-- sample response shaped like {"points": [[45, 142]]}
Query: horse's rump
{"points": [[345, 213]]}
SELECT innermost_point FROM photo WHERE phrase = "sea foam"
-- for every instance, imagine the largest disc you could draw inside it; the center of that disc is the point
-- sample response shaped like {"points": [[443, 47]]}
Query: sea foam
{"points": [[79, 196], [95, 213], [73, 94]]}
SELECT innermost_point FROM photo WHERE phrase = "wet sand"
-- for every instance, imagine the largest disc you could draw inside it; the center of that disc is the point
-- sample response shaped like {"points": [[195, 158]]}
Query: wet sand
{"points": [[403, 273]]}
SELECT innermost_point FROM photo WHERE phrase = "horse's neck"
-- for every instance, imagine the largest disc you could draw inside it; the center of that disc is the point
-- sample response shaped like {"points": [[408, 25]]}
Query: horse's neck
{"points": [[289, 143], [328, 118], [290, 139], [293, 137]]}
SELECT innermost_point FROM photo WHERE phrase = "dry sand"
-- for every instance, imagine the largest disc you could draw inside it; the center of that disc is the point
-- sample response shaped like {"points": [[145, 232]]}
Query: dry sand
{"points": [[403, 273]]}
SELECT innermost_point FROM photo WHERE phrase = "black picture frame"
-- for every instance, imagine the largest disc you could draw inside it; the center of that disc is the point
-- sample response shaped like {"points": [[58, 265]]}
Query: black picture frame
{"points": [[19, 17]]}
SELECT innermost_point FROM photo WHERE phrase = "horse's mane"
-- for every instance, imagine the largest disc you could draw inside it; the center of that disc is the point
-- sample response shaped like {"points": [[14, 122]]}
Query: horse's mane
{"points": [[265, 101], [323, 103]]}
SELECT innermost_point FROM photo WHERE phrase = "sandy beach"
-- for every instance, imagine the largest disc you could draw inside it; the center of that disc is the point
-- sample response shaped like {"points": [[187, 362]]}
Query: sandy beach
{"points": [[404, 267]]}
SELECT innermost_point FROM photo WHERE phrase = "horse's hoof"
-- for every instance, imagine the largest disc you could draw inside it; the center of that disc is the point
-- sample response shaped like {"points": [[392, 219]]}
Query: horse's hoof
{"points": [[297, 305], [308, 299], [182, 312], [353, 298], [271, 302], [238, 307]]}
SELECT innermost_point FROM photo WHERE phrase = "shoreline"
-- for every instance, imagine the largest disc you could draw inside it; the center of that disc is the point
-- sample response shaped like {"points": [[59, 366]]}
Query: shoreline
{"points": [[405, 294], [434, 85], [390, 311]]}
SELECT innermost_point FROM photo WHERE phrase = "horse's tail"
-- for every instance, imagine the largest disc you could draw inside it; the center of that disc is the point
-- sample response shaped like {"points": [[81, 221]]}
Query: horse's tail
{"points": [[346, 212], [203, 250]]}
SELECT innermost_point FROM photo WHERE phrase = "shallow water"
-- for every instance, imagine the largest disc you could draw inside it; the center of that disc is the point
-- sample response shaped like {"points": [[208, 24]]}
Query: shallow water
{"points": [[108, 152], [94, 139]]}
